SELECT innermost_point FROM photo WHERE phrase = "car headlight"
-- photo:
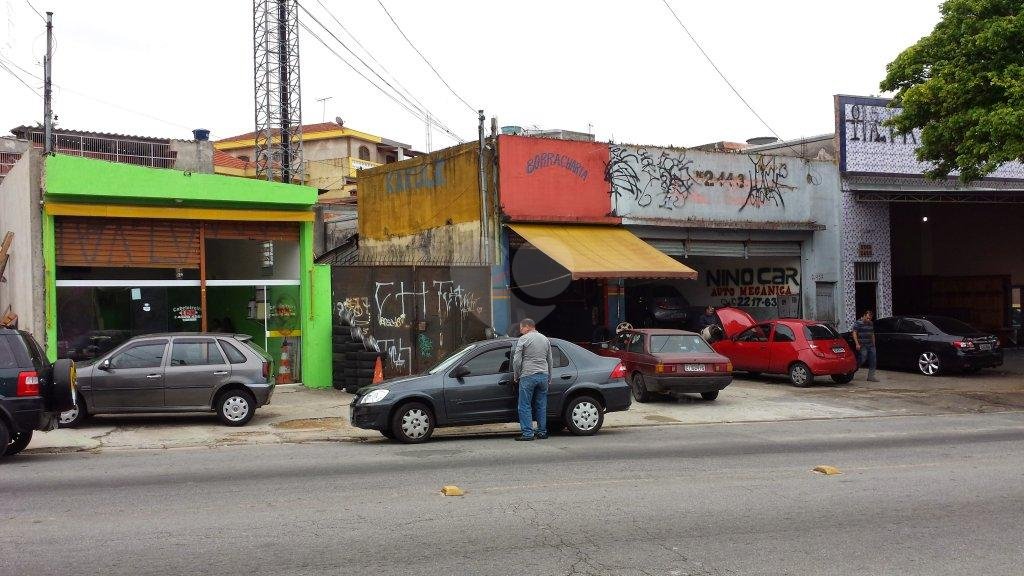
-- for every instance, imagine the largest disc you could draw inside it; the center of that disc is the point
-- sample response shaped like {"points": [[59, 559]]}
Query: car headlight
{"points": [[374, 397]]}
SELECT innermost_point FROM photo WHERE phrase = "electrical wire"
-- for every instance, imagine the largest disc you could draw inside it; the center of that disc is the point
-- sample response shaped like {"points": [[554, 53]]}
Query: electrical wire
{"points": [[420, 108], [416, 114], [20, 79], [438, 74], [38, 13], [370, 54], [719, 71]]}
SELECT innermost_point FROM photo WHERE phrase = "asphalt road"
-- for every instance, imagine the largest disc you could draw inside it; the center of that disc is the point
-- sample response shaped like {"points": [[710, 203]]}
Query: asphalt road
{"points": [[918, 495]]}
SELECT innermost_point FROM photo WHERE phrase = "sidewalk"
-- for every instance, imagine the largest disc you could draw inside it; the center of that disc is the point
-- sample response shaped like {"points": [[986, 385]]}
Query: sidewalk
{"points": [[299, 414]]}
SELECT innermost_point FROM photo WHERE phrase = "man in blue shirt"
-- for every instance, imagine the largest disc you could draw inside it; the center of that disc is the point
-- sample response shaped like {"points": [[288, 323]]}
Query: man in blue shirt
{"points": [[864, 341]]}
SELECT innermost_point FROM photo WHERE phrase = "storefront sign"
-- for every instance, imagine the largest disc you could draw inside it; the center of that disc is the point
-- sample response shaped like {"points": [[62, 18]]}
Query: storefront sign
{"points": [[868, 145], [746, 283], [544, 179], [187, 313]]}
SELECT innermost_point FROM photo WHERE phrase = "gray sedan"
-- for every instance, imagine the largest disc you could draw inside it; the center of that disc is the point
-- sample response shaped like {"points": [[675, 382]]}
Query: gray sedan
{"points": [[186, 372], [475, 386]]}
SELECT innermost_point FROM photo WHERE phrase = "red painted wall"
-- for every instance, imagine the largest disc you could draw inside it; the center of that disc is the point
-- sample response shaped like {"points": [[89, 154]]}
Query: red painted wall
{"points": [[550, 180]]}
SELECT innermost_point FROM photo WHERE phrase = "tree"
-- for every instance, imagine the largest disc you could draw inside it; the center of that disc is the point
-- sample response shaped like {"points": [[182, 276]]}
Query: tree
{"points": [[963, 86]]}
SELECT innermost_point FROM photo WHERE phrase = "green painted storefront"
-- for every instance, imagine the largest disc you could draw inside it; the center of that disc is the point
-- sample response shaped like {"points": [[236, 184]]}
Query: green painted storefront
{"points": [[120, 246]]}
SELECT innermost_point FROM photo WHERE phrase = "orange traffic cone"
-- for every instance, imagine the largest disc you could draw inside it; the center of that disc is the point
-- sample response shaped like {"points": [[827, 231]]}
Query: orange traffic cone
{"points": [[284, 372], [378, 372]]}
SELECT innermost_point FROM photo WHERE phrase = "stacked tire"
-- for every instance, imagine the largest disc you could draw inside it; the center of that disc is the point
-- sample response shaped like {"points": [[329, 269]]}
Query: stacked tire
{"points": [[355, 355]]}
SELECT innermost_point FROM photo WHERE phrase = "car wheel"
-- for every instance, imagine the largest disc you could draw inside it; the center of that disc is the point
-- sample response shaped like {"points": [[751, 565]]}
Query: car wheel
{"points": [[800, 375], [583, 416], [709, 396], [19, 441], [412, 423], [74, 417], [5, 437], [639, 388], [62, 396], [236, 407], [929, 364]]}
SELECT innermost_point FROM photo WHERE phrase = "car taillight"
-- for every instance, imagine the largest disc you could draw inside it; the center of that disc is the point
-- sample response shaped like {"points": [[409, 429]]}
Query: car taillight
{"points": [[266, 369], [963, 344], [817, 352], [727, 367], [618, 372], [28, 384], [666, 368]]}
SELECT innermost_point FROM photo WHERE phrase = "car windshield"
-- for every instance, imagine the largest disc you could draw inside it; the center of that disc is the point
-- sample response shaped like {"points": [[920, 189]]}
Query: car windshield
{"points": [[952, 326], [451, 360], [820, 332], [678, 343]]}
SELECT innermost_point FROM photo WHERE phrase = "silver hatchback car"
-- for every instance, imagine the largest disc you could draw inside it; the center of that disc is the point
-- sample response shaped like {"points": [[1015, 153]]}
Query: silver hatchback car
{"points": [[185, 372]]}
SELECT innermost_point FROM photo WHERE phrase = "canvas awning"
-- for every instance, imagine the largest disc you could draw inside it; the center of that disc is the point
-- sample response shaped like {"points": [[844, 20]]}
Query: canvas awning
{"points": [[589, 251]]}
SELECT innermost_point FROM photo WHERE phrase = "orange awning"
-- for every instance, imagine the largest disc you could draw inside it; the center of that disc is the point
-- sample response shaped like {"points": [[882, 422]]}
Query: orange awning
{"points": [[589, 251]]}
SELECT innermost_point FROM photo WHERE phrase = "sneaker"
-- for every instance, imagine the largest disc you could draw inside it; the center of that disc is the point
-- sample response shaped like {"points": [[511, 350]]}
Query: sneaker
{"points": [[524, 438], [541, 436]]}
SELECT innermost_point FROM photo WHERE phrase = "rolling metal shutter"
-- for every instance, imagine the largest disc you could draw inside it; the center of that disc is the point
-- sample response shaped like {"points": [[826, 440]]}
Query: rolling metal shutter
{"points": [[726, 248], [127, 243]]}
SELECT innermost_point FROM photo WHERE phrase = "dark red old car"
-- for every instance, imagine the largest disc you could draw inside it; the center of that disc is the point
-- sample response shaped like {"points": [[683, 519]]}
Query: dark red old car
{"points": [[669, 362], [802, 349]]}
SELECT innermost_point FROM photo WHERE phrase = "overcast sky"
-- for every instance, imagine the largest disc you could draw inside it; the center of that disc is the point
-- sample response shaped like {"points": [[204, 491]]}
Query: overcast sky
{"points": [[626, 68]]}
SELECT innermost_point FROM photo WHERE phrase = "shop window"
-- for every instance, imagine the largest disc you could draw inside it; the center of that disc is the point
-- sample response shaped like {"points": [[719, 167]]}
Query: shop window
{"points": [[235, 356], [148, 355], [364, 153], [497, 361], [195, 353], [783, 334]]}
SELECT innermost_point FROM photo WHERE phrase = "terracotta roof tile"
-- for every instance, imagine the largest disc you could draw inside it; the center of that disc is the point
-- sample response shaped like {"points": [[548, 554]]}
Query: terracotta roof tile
{"points": [[225, 160]]}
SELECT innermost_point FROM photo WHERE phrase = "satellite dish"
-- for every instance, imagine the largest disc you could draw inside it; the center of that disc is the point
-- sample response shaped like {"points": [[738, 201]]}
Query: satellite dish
{"points": [[339, 121]]}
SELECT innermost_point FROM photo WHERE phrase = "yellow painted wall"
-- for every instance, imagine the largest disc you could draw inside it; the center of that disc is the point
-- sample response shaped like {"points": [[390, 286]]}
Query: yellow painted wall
{"points": [[416, 195]]}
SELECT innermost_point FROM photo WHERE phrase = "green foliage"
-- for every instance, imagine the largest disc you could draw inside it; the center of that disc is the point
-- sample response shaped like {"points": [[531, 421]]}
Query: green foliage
{"points": [[963, 86]]}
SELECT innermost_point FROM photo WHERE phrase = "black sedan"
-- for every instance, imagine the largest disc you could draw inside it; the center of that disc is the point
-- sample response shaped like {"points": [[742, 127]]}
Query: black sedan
{"points": [[934, 345], [475, 386]]}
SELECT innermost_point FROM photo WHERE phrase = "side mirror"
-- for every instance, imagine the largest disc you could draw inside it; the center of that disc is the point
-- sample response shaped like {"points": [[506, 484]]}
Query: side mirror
{"points": [[105, 365], [461, 372]]}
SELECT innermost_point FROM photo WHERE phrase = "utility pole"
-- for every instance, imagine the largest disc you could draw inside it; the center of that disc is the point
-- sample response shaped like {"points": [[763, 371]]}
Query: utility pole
{"points": [[485, 236], [48, 87], [430, 133]]}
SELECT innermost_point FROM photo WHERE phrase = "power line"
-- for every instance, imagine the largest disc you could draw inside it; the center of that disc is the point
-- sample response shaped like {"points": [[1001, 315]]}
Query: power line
{"points": [[438, 74], [420, 108], [19, 79], [416, 114], [38, 13], [368, 53], [713, 65]]}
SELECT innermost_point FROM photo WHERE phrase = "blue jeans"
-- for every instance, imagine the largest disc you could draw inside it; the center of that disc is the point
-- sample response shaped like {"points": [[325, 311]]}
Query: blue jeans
{"points": [[533, 404], [868, 355]]}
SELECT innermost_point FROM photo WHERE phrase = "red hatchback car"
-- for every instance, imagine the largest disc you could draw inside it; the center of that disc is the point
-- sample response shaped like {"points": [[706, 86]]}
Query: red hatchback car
{"points": [[669, 362], [802, 349]]}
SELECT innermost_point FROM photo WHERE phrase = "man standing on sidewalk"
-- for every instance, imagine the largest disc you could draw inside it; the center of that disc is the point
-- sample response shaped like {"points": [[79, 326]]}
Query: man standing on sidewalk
{"points": [[864, 340], [531, 367]]}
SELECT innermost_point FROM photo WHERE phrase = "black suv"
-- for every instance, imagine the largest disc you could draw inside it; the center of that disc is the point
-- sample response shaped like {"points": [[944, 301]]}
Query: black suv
{"points": [[33, 392]]}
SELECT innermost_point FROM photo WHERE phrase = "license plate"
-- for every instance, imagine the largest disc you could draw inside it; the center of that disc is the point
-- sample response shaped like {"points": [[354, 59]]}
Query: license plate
{"points": [[694, 368], [838, 350], [984, 347]]}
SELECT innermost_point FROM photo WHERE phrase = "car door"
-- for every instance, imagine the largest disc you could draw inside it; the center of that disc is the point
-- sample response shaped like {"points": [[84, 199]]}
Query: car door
{"points": [[563, 375], [131, 378], [636, 353], [910, 341], [485, 393], [749, 350], [781, 349], [196, 369], [886, 337]]}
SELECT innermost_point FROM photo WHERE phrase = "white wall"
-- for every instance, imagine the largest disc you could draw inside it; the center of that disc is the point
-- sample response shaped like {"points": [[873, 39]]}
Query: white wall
{"points": [[20, 213]]}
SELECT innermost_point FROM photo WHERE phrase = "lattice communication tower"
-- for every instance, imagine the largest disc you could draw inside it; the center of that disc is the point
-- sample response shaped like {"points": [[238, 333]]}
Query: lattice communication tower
{"points": [[278, 151]]}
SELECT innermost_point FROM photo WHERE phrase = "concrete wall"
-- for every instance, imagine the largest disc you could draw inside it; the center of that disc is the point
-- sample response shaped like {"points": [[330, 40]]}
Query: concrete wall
{"points": [[23, 289], [193, 155]]}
